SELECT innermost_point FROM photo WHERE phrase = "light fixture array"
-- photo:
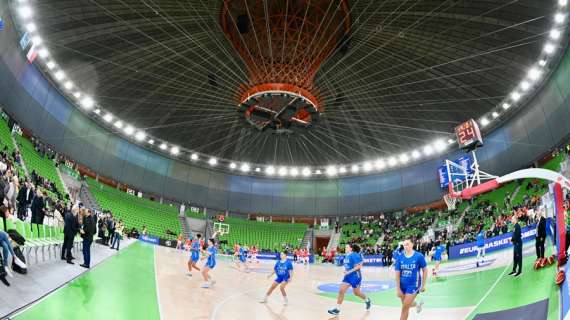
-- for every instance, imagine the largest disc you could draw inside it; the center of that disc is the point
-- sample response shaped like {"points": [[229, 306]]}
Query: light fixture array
{"points": [[88, 104]]}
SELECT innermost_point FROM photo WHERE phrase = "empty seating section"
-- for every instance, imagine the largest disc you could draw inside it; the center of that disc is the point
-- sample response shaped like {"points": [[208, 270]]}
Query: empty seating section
{"points": [[137, 212], [43, 166], [264, 235]]}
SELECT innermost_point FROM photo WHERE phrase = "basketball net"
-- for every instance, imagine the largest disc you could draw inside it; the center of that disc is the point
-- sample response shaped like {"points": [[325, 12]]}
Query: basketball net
{"points": [[450, 201]]}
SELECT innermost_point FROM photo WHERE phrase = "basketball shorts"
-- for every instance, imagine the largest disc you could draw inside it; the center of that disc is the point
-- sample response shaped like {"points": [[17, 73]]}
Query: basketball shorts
{"points": [[194, 256], [354, 279], [281, 279], [409, 288]]}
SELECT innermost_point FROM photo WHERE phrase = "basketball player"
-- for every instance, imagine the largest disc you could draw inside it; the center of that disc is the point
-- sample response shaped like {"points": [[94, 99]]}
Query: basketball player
{"points": [[235, 258], [306, 256], [210, 256], [438, 251], [480, 246], [408, 279], [284, 271], [243, 250], [353, 261], [179, 242], [195, 248], [254, 254]]}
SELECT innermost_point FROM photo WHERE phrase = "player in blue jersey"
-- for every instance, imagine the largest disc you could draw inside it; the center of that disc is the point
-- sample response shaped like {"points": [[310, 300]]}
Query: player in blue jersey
{"points": [[409, 281], [480, 246], [437, 256], [283, 269], [210, 256], [352, 278], [195, 248]]}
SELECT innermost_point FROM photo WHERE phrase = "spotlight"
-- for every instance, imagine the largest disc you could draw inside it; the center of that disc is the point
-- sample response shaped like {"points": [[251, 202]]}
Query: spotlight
{"points": [[440, 145], [525, 85], [244, 167], [306, 172], [318, 172], [416, 154], [342, 170], [506, 106], [43, 53], [213, 161], [354, 168], [450, 141], [495, 115], [270, 170], [257, 169], [515, 96], [59, 75], [129, 130], [194, 156], [428, 150], [108, 117], [404, 158], [140, 136], [562, 3], [151, 142], [97, 111], [534, 74], [294, 172], [559, 17], [554, 34], [68, 85], [392, 161], [367, 166], [484, 122], [87, 102], [77, 94], [31, 27], [542, 63], [549, 48], [331, 171], [50, 65], [282, 171], [380, 164], [25, 12], [163, 146], [175, 150]]}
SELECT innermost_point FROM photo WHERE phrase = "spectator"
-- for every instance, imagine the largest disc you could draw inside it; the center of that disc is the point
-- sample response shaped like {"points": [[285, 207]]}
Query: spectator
{"points": [[87, 231], [70, 228], [118, 235], [540, 236]]}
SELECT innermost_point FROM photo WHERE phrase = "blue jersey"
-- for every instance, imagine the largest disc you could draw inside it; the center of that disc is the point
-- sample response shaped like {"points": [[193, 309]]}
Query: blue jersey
{"points": [[409, 268], [396, 255], [439, 250], [283, 269], [481, 239], [211, 262], [195, 246], [351, 260]]}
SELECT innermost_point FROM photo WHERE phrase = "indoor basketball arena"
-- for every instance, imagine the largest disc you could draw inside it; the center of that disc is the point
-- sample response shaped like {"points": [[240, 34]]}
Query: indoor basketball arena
{"points": [[284, 159]]}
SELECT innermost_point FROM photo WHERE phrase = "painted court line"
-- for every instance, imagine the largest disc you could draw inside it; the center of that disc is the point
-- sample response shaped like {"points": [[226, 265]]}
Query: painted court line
{"points": [[489, 291], [228, 298], [154, 251]]}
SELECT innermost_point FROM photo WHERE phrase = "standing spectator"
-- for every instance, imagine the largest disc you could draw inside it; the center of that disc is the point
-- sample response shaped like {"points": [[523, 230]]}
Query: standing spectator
{"points": [[118, 235], [87, 231], [70, 227], [38, 208], [111, 228], [517, 247], [540, 236]]}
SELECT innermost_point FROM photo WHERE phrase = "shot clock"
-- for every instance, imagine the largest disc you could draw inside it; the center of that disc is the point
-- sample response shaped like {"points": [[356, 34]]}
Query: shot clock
{"points": [[468, 135]]}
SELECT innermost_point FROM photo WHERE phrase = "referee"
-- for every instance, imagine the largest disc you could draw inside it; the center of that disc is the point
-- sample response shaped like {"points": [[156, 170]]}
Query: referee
{"points": [[517, 247]]}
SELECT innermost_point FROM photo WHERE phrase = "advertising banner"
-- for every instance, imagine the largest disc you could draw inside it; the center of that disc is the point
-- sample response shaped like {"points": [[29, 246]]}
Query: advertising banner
{"points": [[491, 244], [149, 239], [275, 256]]}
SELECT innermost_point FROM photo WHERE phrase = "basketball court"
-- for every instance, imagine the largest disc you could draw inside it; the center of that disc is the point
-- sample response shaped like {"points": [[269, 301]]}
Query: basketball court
{"points": [[150, 282]]}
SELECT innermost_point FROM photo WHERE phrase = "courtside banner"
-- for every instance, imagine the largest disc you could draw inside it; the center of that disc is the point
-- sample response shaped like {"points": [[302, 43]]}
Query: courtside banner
{"points": [[149, 239], [373, 260], [369, 260], [275, 256], [491, 244]]}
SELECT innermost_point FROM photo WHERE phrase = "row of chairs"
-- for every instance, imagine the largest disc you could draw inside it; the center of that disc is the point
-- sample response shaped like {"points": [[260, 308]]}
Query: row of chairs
{"points": [[40, 238]]}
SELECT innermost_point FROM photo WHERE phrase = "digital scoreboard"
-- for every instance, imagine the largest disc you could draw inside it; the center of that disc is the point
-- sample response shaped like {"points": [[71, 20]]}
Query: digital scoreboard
{"points": [[468, 135]]}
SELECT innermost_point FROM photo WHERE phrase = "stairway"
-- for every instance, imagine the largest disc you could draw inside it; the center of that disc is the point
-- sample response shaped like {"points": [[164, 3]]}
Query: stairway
{"points": [[185, 227], [334, 241], [307, 239], [87, 197]]}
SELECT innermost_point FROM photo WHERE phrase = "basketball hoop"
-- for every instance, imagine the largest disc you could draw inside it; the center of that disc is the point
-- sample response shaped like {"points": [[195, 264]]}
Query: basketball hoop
{"points": [[450, 201]]}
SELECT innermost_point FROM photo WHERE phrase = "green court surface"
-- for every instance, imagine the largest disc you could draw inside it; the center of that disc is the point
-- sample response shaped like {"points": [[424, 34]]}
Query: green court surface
{"points": [[122, 287], [489, 290]]}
